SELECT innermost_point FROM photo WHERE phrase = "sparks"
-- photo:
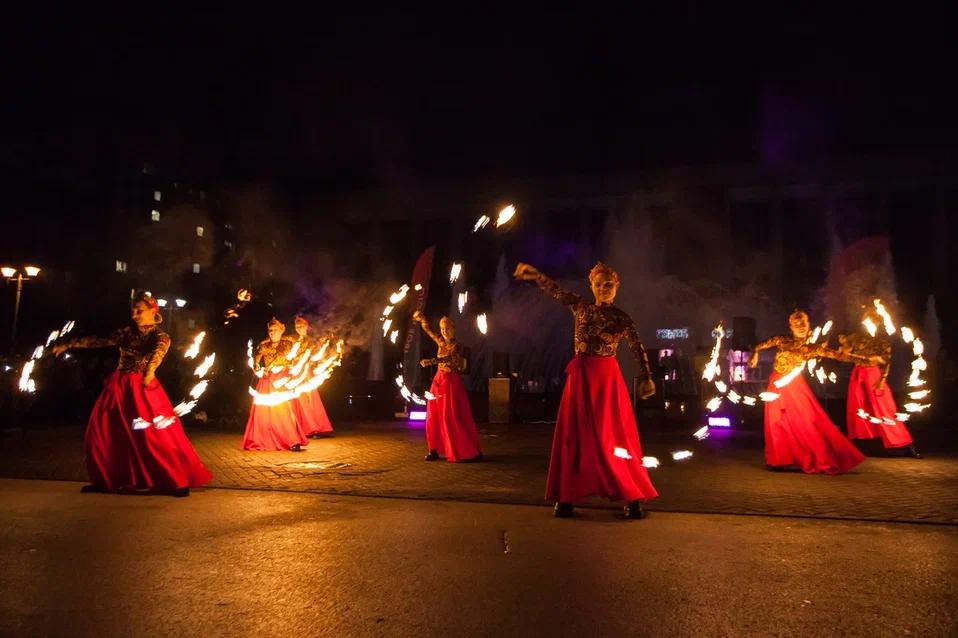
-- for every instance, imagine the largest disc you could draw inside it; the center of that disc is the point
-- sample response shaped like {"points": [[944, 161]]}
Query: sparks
{"points": [[482, 323], [505, 215]]}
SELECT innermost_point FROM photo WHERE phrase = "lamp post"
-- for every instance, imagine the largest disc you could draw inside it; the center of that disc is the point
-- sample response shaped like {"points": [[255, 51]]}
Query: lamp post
{"points": [[176, 303], [18, 275]]}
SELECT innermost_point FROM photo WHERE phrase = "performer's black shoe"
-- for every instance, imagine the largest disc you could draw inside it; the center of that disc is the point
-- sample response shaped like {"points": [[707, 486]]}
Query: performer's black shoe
{"points": [[93, 488], [297, 448], [563, 510], [912, 452], [180, 492], [633, 510], [432, 456], [476, 459]]}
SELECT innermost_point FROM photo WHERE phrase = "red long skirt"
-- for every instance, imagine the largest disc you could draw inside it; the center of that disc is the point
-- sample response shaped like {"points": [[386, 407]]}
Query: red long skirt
{"points": [[121, 458], [272, 427], [798, 432], [595, 417], [311, 413], [878, 403], [450, 429]]}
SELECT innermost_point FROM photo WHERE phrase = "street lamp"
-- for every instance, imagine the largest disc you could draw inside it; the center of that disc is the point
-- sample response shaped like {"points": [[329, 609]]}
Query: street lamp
{"points": [[12, 274], [176, 303]]}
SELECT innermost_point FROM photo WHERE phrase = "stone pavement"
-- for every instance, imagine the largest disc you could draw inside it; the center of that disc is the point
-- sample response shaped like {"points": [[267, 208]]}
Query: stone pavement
{"points": [[726, 475]]}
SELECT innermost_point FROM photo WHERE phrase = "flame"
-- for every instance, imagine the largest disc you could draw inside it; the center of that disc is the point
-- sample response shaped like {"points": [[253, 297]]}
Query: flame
{"points": [[918, 348], [915, 379], [482, 323], [921, 394], [919, 364], [768, 396], [199, 389], [387, 324], [37, 352], [194, 348], [303, 377], [721, 386], [387, 310], [417, 287], [833, 377], [163, 422], [204, 367], [505, 215], [889, 324], [788, 378], [53, 336], [393, 336], [827, 327], [622, 453], [184, 408], [702, 433], [681, 455], [650, 462], [901, 416], [811, 365], [815, 335], [734, 396], [916, 407], [907, 335], [399, 295], [141, 424], [748, 400], [712, 368], [67, 327], [713, 404], [821, 376], [27, 384], [399, 381], [481, 223], [870, 326], [463, 298], [430, 396], [455, 271]]}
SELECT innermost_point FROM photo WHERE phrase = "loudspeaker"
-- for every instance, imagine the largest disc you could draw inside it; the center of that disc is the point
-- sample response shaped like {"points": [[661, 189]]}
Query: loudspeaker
{"points": [[500, 364], [500, 399], [743, 333]]}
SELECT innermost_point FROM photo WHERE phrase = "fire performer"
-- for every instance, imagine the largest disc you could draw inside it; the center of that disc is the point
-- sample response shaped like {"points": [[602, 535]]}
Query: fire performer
{"points": [[134, 441], [596, 449], [869, 392], [450, 428], [308, 406], [798, 432], [272, 426]]}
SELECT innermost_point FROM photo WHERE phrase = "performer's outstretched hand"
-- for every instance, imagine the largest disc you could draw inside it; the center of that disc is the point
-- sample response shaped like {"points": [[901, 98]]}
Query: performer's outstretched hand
{"points": [[646, 388], [418, 316], [525, 272]]}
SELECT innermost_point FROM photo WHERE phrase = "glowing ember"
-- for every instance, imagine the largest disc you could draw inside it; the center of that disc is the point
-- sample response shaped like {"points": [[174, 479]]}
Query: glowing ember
{"points": [[455, 271], [505, 215], [702, 433], [204, 367], [650, 462], [482, 323], [463, 298], [483, 221], [622, 453], [681, 455]]}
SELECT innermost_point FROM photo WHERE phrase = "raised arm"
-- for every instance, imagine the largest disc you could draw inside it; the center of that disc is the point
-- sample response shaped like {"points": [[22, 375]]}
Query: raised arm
{"points": [[774, 342], [418, 316], [526, 272], [88, 342]]}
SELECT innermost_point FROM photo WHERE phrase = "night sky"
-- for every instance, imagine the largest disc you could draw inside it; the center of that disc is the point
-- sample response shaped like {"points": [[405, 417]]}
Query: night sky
{"points": [[324, 101]]}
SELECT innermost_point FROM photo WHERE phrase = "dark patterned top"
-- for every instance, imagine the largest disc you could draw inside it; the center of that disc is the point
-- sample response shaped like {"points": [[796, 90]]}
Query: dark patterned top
{"points": [[269, 354], [140, 351], [449, 357], [868, 346], [598, 329], [792, 352]]}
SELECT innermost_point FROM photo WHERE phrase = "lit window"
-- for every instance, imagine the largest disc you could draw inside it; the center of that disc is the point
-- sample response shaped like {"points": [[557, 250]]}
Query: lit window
{"points": [[120, 266], [199, 231], [196, 269], [155, 215], [157, 196]]}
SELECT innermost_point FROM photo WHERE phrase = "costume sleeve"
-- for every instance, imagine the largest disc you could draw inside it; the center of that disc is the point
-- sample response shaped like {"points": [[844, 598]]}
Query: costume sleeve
{"points": [[557, 292], [774, 342], [638, 351], [96, 342], [159, 351]]}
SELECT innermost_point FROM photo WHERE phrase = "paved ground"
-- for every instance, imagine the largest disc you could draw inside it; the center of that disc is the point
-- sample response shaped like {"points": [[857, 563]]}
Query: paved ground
{"points": [[385, 459], [244, 563]]}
